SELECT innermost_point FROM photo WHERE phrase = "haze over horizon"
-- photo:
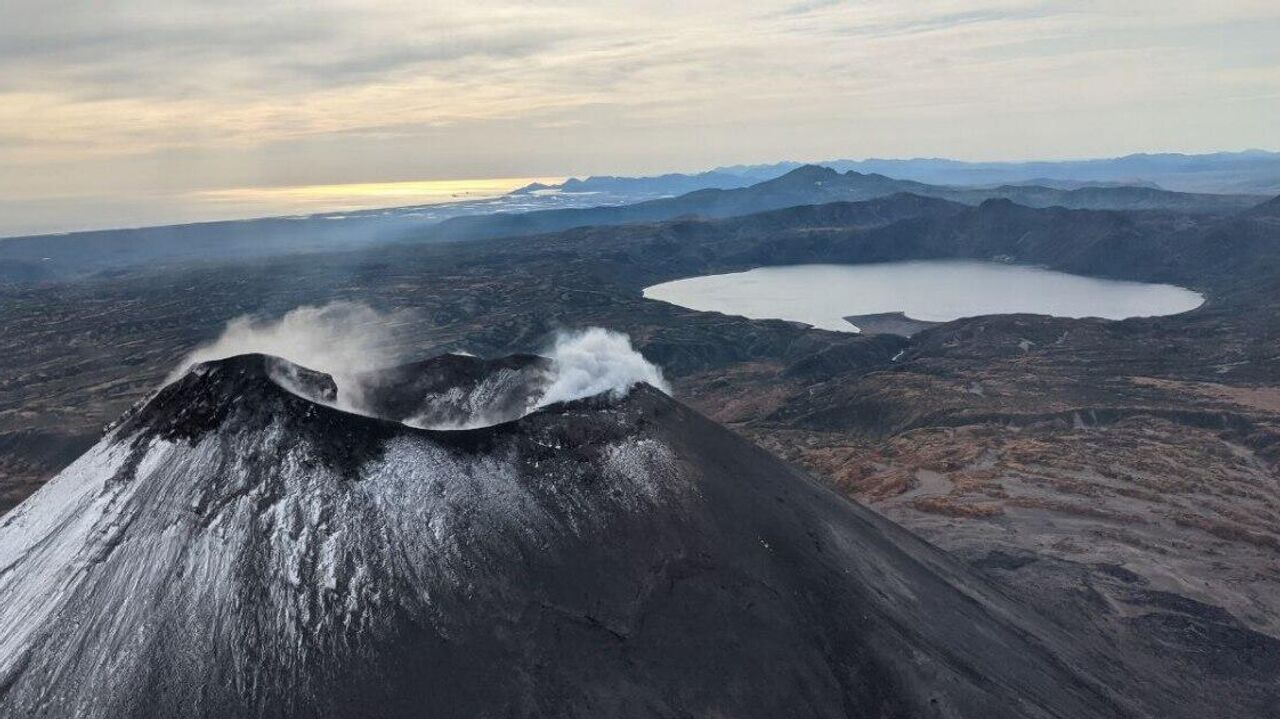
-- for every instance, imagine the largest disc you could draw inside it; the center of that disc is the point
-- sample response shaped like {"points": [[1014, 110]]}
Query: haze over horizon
{"points": [[179, 111]]}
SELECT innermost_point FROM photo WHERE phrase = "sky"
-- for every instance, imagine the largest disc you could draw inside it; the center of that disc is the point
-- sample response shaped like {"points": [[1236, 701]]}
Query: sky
{"points": [[145, 111]]}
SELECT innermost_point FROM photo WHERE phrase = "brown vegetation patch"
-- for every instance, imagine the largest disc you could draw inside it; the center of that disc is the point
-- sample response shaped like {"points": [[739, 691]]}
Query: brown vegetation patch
{"points": [[951, 507], [1266, 399], [1073, 508], [1229, 532]]}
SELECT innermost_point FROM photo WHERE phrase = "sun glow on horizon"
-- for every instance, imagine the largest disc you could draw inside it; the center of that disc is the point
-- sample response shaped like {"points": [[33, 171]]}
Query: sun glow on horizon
{"points": [[367, 195]]}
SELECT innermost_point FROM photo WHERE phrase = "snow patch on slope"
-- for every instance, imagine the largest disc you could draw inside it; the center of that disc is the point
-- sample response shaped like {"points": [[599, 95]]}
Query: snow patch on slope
{"points": [[45, 540], [243, 561]]}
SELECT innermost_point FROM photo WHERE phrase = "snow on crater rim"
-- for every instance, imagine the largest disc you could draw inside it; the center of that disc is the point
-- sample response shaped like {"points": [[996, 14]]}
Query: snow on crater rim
{"points": [[345, 339]]}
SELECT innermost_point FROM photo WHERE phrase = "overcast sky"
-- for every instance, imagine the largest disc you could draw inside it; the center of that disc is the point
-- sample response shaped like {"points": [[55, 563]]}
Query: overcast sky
{"points": [[148, 103]]}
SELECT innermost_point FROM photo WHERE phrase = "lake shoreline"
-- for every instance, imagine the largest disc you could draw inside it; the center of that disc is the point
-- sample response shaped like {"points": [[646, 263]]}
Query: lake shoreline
{"points": [[889, 323], [903, 298]]}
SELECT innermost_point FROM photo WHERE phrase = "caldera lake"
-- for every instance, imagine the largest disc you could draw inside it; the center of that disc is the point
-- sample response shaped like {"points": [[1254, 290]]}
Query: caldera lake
{"points": [[928, 290]]}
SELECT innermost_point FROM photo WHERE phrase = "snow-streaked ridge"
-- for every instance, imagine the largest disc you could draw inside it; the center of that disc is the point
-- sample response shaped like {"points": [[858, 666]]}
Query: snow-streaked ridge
{"points": [[245, 556]]}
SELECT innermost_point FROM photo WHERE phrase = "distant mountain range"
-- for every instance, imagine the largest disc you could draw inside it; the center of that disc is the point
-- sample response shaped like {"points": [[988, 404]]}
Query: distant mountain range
{"points": [[725, 192], [657, 185], [815, 185], [1248, 172]]}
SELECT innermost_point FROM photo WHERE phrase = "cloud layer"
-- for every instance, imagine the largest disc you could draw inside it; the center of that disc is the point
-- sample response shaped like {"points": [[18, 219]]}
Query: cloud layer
{"points": [[145, 96]]}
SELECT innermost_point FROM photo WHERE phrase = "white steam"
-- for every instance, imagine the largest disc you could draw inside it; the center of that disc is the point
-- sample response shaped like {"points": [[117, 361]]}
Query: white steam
{"points": [[595, 360], [346, 340], [341, 339]]}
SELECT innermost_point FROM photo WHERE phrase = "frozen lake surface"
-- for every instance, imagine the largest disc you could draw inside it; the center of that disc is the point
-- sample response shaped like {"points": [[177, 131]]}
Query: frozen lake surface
{"points": [[932, 290]]}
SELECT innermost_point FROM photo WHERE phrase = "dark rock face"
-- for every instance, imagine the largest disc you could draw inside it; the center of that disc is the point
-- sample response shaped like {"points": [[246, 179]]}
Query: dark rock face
{"points": [[233, 549], [300, 380], [454, 391]]}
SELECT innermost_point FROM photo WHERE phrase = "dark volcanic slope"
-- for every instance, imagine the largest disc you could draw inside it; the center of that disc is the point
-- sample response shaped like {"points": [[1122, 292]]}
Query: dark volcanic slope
{"points": [[231, 549]]}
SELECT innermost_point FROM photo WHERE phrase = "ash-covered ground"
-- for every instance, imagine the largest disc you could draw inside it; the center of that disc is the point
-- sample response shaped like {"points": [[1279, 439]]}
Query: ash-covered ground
{"points": [[1119, 476]]}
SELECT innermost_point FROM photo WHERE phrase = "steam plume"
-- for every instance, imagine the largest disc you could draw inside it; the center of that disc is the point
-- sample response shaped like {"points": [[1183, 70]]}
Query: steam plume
{"points": [[341, 339], [346, 340], [595, 360]]}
